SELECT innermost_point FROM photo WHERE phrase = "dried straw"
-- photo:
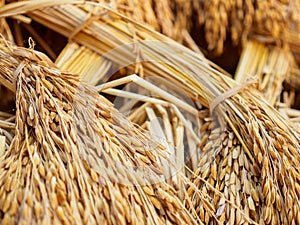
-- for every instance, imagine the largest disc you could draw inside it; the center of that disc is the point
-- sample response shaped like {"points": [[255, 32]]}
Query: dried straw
{"points": [[270, 64]]}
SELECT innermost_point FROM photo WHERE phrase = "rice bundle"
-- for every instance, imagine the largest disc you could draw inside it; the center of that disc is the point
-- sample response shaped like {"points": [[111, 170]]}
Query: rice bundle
{"points": [[74, 159], [251, 148], [77, 58], [112, 30], [251, 181], [265, 21]]}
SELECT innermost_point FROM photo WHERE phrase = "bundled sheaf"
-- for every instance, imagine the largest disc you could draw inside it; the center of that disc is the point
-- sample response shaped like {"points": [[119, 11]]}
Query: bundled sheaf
{"points": [[266, 21], [249, 187], [248, 169], [74, 159]]}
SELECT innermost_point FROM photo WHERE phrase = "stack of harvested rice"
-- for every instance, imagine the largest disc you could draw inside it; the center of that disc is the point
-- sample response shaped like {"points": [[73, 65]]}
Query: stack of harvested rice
{"points": [[74, 159], [244, 162], [78, 58]]}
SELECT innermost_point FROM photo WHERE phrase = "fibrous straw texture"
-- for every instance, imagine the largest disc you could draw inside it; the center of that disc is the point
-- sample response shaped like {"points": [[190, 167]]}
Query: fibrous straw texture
{"points": [[271, 66], [74, 159]]}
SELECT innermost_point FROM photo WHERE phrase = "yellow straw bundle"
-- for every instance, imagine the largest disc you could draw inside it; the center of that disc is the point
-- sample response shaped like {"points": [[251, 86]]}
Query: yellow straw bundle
{"points": [[74, 159]]}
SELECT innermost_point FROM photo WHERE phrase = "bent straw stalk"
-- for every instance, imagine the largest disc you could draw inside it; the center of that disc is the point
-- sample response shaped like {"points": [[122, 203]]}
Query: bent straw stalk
{"points": [[74, 159]]}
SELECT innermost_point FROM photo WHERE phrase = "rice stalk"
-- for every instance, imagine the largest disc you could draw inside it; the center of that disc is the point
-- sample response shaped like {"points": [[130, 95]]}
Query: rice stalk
{"points": [[89, 65], [271, 65]]}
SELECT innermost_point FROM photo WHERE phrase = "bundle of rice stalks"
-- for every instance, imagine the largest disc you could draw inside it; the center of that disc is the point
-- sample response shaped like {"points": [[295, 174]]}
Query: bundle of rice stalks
{"points": [[73, 158], [78, 59], [260, 141], [266, 21], [253, 181], [130, 43], [172, 18]]}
